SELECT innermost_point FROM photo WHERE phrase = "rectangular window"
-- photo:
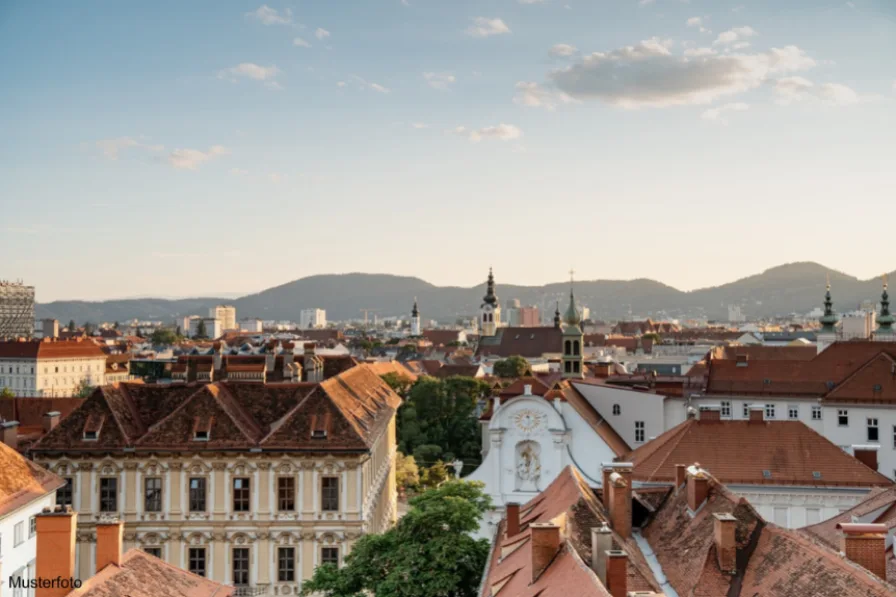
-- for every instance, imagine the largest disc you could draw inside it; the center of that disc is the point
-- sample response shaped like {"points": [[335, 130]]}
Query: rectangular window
{"points": [[639, 432], [241, 494], [781, 516], [241, 566], [843, 418], [196, 560], [873, 434], [152, 494], [197, 494], [108, 494], [793, 411], [813, 515], [769, 411], [18, 534], [816, 413], [286, 564], [32, 526], [726, 409], [154, 551], [329, 494], [286, 494], [746, 411], [329, 555]]}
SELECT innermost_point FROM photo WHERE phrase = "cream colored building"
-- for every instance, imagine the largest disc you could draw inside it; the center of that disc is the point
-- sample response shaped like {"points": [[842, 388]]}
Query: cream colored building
{"points": [[50, 367], [246, 483], [227, 315]]}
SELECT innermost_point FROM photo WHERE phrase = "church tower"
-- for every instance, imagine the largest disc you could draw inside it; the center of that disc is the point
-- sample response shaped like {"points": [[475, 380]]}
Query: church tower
{"points": [[557, 316], [827, 335], [415, 320], [573, 340], [884, 332], [490, 310]]}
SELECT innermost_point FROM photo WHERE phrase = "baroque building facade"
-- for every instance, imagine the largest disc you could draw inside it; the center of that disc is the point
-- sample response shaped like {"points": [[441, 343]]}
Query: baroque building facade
{"points": [[247, 484]]}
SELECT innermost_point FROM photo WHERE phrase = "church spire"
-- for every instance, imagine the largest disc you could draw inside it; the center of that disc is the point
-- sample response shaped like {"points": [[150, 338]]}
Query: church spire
{"points": [[572, 313], [415, 312], [490, 297], [829, 319], [885, 320], [557, 316]]}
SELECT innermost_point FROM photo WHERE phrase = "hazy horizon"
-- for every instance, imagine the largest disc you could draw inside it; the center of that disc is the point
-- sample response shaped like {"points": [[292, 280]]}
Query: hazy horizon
{"points": [[169, 148]]}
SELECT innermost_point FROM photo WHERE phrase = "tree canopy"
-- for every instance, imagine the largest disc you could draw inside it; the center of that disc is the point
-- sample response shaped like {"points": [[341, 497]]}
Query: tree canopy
{"points": [[515, 366], [438, 420], [399, 383], [429, 553], [164, 336]]}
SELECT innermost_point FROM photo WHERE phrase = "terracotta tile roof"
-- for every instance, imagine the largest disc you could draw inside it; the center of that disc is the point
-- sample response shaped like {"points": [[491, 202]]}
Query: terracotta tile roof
{"points": [[462, 370], [878, 507], [764, 353], [29, 412], [874, 382], [571, 504], [143, 575], [50, 349], [442, 337], [22, 481], [525, 342], [737, 452], [356, 406], [383, 367]]}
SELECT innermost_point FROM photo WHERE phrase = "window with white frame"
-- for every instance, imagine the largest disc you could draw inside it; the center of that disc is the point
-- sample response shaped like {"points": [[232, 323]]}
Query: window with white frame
{"points": [[746, 411], [816, 412], [872, 429], [639, 432], [793, 411], [843, 418], [18, 534], [769, 411], [726, 408]]}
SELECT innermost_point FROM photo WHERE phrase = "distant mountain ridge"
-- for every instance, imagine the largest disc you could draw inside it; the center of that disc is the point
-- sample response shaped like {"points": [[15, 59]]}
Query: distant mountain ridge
{"points": [[790, 288]]}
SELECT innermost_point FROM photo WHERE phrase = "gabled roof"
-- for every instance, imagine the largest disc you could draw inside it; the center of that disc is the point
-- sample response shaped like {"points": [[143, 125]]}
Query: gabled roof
{"points": [[22, 481], [356, 405], [878, 507], [50, 349], [875, 381], [523, 341], [741, 452]]}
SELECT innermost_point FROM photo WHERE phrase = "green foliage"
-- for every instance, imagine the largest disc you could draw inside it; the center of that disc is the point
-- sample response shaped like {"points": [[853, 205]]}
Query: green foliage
{"points": [[7, 393], [407, 473], [406, 352], [84, 389], [657, 339], [89, 328], [115, 326], [515, 366], [71, 325], [429, 553], [435, 475], [399, 383], [438, 420], [201, 332], [164, 336]]}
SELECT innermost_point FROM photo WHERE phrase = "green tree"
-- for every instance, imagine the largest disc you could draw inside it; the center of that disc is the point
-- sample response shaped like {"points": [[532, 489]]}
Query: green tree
{"points": [[515, 366], [434, 475], [201, 332], [178, 332], [407, 473], [438, 420], [7, 393], [399, 383], [164, 336], [71, 325], [429, 553], [89, 328], [115, 326], [657, 339], [406, 352], [83, 390]]}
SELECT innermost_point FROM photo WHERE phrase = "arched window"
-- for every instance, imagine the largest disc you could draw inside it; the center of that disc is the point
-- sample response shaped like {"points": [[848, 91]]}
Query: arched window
{"points": [[575, 367], [567, 349], [617, 410], [568, 367], [575, 347]]}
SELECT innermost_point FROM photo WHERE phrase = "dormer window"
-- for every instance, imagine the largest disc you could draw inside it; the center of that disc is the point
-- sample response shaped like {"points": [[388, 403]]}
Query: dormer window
{"points": [[319, 426], [319, 434], [90, 436], [92, 428], [202, 428], [201, 436]]}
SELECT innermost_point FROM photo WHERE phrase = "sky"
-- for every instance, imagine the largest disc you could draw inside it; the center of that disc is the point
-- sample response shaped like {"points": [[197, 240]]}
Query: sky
{"points": [[174, 148]]}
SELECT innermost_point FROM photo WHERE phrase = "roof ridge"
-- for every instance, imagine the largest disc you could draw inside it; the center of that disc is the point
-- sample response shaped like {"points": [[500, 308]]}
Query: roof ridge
{"points": [[158, 424], [232, 407], [276, 425], [855, 373], [652, 447], [104, 390], [135, 412]]}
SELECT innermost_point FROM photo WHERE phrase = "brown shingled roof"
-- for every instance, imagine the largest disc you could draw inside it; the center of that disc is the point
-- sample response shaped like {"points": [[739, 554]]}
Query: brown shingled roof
{"points": [[22, 481]]}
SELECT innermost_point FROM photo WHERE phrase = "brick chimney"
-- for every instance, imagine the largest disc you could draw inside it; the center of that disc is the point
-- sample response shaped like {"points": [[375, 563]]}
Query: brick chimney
{"points": [[680, 475], [726, 547], [9, 434], [698, 487], [711, 413], [866, 545], [109, 534], [545, 545], [56, 548], [50, 420], [866, 454], [513, 518], [757, 413], [617, 573], [621, 500], [601, 543]]}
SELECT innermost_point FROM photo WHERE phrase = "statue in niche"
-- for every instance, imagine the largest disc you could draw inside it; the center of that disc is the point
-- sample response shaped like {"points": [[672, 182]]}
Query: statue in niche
{"points": [[528, 466]]}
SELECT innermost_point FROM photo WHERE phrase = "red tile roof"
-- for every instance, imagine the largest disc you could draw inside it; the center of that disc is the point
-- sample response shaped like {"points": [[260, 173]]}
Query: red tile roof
{"points": [[22, 481], [737, 452], [442, 337], [878, 507], [522, 341], [50, 349]]}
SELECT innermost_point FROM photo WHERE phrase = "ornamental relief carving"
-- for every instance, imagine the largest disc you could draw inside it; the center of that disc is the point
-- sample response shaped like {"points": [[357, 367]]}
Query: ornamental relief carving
{"points": [[287, 539], [131, 465], [109, 468], [201, 538], [219, 466], [264, 466], [283, 468], [85, 466], [198, 516], [286, 516], [63, 468], [329, 538]]}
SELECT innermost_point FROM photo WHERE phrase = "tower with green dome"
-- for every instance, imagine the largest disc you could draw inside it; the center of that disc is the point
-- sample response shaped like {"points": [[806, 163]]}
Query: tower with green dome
{"points": [[573, 340], [885, 320]]}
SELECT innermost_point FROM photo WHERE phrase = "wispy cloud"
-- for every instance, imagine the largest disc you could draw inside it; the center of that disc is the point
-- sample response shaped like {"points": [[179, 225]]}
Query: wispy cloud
{"points": [[717, 115], [485, 27], [364, 85], [500, 132], [698, 23], [441, 81], [797, 89], [270, 16], [321, 33], [562, 51], [533, 95], [419, 125], [112, 148], [191, 159], [735, 36], [249, 70], [298, 41]]}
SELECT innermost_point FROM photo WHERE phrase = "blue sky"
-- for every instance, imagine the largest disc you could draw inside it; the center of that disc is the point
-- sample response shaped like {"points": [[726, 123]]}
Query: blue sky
{"points": [[186, 148]]}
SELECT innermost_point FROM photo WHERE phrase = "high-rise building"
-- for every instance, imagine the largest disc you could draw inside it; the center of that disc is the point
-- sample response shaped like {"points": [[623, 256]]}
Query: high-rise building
{"points": [[529, 317], [310, 319], [16, 310], [226, 314]]}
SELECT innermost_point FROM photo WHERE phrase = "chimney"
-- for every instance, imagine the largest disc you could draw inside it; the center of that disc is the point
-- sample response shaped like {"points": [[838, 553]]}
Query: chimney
{"points": [[621, 498], [680, 475], [866, 454], [9, 434], [866, 545], [757, 413], [606, 469], [109, 535], [617, 573], [51, 419], [726, 547], [56, 549], [711, 413], [513, 518], [601, 543], [698, 487], [545, 545]]}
